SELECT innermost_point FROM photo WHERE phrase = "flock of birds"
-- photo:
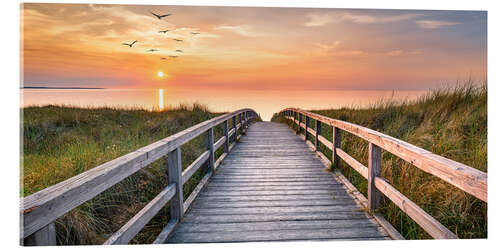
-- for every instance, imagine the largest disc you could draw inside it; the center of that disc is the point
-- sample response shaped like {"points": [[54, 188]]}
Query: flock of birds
{"points": [[164, 32]]}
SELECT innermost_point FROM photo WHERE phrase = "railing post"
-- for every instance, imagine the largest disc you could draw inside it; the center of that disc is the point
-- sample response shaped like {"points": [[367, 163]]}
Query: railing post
{"points": [[300, 121], [335, 144], [210, 148], [307, 126], [374, 170], [318, 132], [245, 119], [46, 236], [225, 132], [235, 130], [174, 164]]}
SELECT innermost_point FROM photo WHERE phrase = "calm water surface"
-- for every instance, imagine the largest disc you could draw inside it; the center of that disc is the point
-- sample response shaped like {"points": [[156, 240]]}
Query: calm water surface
{"points": [[264, 102]]}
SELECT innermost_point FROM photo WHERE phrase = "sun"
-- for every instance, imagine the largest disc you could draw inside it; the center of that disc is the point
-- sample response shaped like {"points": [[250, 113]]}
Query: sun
{"points": [[160, 74]]}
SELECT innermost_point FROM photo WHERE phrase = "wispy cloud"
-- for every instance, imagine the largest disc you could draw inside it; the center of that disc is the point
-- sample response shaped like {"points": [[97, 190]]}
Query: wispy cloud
{"points": [[348, 53], [318, 20], [434, 24], [395, 52], [328, 47], [242, 30], [324, 19]]}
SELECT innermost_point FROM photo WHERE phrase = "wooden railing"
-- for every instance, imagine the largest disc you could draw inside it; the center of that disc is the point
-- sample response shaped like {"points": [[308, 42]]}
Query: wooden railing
{"points": [[462, 176], [41, 209]]}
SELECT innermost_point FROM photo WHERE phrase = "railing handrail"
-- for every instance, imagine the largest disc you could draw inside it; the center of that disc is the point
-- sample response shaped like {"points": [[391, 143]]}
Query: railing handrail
{"points": [[462, 176], [43, 207], [468, 179]]}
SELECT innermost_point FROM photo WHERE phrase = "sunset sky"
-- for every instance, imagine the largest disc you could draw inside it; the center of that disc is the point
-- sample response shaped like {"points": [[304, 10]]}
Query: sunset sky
{"points": [[250, 48]]}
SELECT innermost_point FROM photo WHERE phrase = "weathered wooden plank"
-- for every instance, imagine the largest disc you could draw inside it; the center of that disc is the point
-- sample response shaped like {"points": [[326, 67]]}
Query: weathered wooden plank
{"points": [[325, 141], [231, 132], [220, 160], [274, 225], [276, 192], [217, 218], [284, 167], [219, 143], [279, 203], [189, 171], [267, 210], [337, 233], [284, 179], [196, 191], [167, 230], [427, 222], [271, 197], [468, 179], [360, 168], [231, 172], [274, 188], [134, 225], [272, 184]]}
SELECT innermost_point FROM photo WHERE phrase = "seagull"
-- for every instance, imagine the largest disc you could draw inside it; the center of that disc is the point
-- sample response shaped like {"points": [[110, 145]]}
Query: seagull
{"points": [[195, 33], [178, 50], [174, 56], [163, 58], [159, 16], [130, 44], [163, 31], [178, 40], [152, 50]]}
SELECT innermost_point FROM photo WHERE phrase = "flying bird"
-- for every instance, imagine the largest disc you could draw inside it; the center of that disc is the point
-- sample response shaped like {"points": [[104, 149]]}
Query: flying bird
{"points": [[159, 16], [178, 50], [163, 58], [163, 31], [195, 33], [174, 56], [152, 50], [178, 40], [130, 44]]}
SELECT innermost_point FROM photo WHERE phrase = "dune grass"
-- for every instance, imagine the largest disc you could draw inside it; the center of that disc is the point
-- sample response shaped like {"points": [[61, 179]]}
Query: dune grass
{"points": [[451, 122], [59, 142]]}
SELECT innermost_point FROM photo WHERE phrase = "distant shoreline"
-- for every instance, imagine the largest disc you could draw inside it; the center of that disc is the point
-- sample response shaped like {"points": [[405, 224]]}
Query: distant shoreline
{"points": [[58, 88]]}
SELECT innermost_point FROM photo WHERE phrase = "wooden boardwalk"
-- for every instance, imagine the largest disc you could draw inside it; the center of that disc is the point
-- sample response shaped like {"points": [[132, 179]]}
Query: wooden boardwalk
{"points": [[272, 187]]}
